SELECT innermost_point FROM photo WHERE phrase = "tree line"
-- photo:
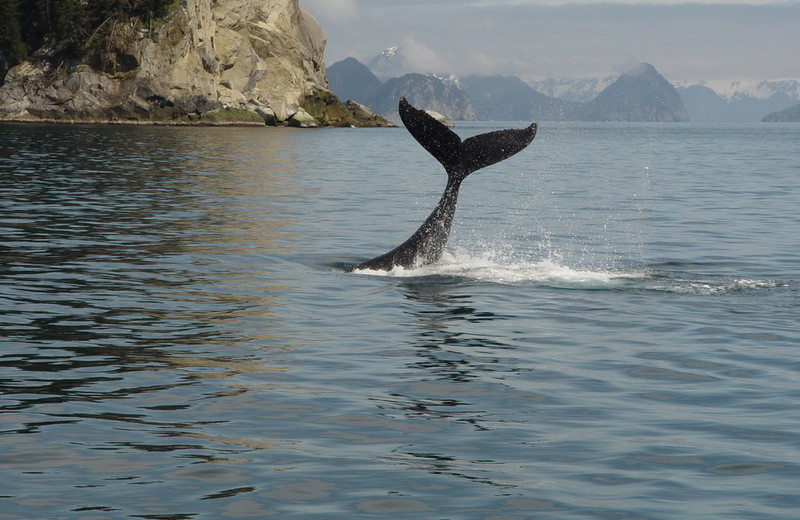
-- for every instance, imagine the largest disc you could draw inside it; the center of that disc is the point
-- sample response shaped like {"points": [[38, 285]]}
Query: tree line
{"points": [[69, 27]]}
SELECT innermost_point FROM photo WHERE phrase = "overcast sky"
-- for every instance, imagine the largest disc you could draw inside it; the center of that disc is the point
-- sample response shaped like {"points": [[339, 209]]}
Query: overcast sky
{"points": [[534, 39]]}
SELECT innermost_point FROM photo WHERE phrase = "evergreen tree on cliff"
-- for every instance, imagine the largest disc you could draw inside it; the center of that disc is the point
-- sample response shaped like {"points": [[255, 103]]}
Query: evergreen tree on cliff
{"points": [[67, 26], [12, 48]]}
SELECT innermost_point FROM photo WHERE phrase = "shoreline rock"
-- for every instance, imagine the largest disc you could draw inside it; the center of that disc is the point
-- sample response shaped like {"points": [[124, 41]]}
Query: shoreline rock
{"points": [[439, 117]]}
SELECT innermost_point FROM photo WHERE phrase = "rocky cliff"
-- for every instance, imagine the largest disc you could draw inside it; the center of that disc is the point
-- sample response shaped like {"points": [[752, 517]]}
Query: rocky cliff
{"points": [[209, 61]]}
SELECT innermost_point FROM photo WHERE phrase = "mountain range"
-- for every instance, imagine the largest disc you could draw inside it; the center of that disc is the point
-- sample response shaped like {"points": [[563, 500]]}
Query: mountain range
{"points": [[350, 79], [509, 97], [642, 94], [739, 101]]}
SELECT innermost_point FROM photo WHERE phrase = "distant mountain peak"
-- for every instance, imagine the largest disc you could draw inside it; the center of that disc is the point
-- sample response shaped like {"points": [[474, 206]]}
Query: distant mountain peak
{"points": [[389, 63], [642, 94], [643, 69], [350, 79], [390, 52]]}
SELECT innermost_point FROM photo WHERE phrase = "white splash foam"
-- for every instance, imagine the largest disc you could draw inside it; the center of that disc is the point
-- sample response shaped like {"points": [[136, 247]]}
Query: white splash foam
{"points": [[494, 268], [504, 268]]}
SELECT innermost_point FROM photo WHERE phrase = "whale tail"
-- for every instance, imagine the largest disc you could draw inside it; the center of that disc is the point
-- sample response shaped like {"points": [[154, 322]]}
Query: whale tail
{"points": [[460, 158]]}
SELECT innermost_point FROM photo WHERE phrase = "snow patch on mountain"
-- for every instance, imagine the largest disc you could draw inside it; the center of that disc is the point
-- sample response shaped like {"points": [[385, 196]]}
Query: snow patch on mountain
{"points": [[581, 90], [732, 90], [586, 89]]}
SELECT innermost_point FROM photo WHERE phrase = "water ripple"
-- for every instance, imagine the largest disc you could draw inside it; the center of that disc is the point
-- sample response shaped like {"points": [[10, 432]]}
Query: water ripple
{"points": [[608, 336]]}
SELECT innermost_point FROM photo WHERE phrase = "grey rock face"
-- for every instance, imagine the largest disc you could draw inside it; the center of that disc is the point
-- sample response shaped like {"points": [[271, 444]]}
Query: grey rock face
{"points": [[259, 56]]}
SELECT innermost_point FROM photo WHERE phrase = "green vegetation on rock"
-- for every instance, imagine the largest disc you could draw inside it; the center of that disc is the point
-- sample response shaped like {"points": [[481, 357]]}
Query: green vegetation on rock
{"points": [[326, 108]]}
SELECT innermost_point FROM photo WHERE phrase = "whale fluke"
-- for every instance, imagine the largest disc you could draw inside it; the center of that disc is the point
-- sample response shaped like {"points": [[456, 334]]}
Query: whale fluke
{"points": [[463, 158], [459, 158]]}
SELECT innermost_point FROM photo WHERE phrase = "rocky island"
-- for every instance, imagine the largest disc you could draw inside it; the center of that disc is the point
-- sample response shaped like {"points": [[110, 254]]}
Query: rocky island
{"points": [[213, 62]]}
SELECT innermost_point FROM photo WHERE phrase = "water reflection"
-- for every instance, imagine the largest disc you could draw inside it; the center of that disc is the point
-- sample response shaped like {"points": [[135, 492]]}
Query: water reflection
{"points": [[452, 336], [457, 383], [141, 310], [131, 267]]}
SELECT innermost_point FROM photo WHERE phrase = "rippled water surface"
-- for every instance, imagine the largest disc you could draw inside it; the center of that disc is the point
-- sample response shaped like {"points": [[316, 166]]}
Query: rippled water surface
{"points": [[614, 331]]}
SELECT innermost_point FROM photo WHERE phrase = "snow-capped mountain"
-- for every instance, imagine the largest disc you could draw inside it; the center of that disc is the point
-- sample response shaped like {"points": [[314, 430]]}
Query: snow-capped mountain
{"points": [[390, 63]]}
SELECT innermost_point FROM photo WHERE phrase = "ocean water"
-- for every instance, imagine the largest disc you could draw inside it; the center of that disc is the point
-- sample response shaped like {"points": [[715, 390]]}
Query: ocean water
{"points": [[613, 333]]}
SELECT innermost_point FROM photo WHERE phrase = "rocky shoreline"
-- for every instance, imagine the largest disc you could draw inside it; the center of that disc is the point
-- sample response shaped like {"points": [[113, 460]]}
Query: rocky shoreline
{"points": [[210, 63]]}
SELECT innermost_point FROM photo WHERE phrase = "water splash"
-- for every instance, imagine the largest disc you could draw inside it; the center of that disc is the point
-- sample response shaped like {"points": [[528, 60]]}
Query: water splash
{"points": [[505, 268], [498, 268]]}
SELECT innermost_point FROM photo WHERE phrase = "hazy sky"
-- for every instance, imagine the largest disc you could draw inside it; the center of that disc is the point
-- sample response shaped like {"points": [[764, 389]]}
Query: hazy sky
{"points": [[535, 39]]}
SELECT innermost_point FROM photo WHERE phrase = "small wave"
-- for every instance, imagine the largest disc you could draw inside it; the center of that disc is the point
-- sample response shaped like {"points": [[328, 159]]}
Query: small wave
{"points": [[714, 287], [491, 268]]}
